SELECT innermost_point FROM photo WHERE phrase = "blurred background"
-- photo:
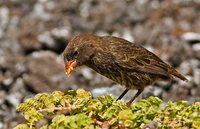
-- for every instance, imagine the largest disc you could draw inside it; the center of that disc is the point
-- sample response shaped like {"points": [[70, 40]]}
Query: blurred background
{"points": [[34, 33]]}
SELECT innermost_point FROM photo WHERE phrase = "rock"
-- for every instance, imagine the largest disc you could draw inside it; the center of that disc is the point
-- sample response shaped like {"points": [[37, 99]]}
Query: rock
{"points": [[196, 48], [197, 76], [28, 35], [137, 10], [14, 99], [39, 11], [45, 72], [4, 18], [11, 63], [87, 73], [16, 93], [29, 28], [150, 125], [7, 81], [177, 53], [115, 90], [152, 91], [177, 92], [191, 37], [3, 95], [8, 48], [127, 35], [191, 67], [88, 78], [54, 39]]}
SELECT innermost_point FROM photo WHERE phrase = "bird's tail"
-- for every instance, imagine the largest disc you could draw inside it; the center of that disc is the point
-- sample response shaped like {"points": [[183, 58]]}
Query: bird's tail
{"points": [[177, 74]]}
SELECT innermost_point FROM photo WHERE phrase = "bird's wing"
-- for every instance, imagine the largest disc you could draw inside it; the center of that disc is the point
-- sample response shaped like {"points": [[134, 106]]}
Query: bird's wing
{"points": [[136, 58]]}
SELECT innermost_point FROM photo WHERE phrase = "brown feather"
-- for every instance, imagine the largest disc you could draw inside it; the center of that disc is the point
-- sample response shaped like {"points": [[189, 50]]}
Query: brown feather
{"points": [[124, 62]]}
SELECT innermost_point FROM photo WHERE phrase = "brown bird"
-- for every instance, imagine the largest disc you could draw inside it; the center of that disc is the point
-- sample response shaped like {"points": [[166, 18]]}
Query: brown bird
{"points": [[124, 62]]}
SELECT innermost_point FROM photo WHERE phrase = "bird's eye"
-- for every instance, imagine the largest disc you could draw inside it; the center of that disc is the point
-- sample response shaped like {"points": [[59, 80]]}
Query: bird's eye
{"points": [[75, 53]]}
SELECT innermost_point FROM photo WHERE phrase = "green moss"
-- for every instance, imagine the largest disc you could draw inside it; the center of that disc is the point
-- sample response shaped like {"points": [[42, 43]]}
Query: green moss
{"points": [[78, 110]]}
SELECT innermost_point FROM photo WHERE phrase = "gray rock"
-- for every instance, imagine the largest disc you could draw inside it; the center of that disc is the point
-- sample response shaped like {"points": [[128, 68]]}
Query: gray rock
{"points": [[16, 93], [3, 95], [191, 37], [4, 19], [27, 28], [46, 72]]}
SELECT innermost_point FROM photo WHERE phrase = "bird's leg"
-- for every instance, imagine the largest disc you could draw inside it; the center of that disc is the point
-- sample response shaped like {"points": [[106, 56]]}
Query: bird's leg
{"points": [[136, 95], [122, 95]]}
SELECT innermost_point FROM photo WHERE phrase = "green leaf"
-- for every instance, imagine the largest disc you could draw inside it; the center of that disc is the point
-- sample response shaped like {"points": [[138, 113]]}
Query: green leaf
{"points": [[76, 109], [33, 116], [23, 126]]}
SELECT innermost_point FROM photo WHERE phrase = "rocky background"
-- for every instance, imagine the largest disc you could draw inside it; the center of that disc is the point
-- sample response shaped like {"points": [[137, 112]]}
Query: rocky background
{"points": [[34, 33]]}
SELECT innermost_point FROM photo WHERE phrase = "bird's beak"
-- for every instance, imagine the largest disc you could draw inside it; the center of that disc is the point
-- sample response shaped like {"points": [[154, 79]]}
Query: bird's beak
{"points": [[69, 66]]}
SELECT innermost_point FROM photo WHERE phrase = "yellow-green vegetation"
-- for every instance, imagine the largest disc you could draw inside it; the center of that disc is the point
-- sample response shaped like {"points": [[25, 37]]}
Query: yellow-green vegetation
{"points": [[76, 109]]}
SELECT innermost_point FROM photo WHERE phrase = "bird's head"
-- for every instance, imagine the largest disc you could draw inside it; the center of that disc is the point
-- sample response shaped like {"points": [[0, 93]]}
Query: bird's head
{"points": [[78, 52]]}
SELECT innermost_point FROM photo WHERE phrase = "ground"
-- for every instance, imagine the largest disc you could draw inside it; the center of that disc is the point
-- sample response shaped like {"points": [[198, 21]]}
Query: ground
{"points": [[34, 33]]}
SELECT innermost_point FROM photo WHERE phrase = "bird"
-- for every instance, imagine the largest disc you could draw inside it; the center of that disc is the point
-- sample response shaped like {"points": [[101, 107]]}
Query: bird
{"points": [[120, 60]]}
